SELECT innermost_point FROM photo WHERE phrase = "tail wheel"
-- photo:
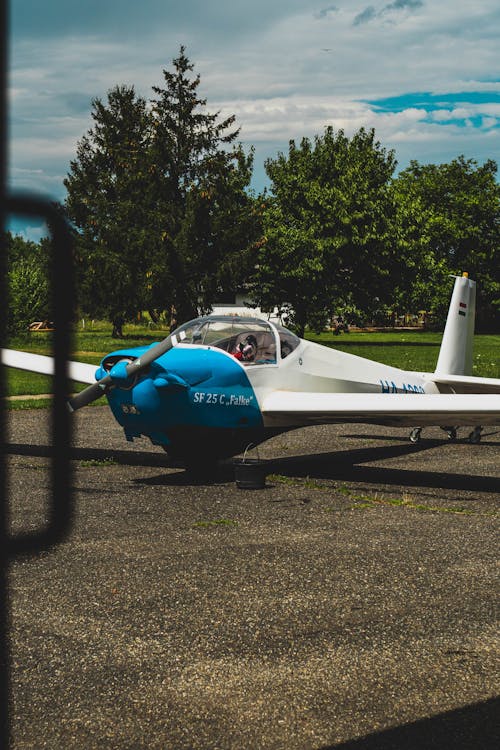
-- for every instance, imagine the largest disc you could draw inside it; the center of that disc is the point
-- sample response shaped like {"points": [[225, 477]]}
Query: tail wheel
{"points": [[415, 435], [451, 433]]}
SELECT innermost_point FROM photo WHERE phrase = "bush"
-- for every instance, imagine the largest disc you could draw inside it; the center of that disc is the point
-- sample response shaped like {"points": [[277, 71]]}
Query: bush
{"points": [[28, 294]]}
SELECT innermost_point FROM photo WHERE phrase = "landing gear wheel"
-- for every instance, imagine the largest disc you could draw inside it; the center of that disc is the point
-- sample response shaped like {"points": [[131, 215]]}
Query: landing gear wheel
{"points": [[451, 433], [415, 435], [475, 435]]}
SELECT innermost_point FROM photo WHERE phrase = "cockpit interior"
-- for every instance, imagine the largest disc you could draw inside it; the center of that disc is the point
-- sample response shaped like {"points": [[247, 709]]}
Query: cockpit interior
{"points": [[250, 340]]}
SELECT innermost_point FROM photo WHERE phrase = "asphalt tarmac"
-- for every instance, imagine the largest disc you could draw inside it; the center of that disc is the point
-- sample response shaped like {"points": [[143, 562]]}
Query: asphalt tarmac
{"points": [[351, 603]]}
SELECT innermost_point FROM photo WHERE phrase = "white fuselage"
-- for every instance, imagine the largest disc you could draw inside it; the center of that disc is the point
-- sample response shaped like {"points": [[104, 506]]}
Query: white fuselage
{"points": [[315, 368]]}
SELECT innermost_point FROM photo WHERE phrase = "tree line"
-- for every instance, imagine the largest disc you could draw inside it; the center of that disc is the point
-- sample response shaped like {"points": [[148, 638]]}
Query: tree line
{"points": [[165, 220]]}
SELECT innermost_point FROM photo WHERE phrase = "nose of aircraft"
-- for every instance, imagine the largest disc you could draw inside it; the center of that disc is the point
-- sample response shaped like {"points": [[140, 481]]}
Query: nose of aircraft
{"points": [[186, 388]]}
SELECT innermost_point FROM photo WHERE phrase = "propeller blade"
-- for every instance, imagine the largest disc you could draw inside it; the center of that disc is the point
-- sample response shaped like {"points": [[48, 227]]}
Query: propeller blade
{"points": [[89, 394], [96, 390], [150, 355]]}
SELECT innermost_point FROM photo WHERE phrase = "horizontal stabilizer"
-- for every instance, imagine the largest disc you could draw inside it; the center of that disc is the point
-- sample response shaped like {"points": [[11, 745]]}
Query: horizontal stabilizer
{"points": [[81, 372], [467, 384], [381, 408]]}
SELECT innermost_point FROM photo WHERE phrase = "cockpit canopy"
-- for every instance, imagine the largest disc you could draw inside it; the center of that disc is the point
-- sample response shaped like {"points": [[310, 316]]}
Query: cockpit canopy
{"points": [[251, 340]]}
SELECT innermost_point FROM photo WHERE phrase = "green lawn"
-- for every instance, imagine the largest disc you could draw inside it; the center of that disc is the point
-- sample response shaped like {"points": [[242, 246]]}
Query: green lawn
{"points": [[409, 350]]}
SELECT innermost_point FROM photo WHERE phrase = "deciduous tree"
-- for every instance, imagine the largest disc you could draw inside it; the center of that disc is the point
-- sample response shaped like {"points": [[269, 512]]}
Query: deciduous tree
{"points": [[328, 227], [449, 222], [27, 281]]}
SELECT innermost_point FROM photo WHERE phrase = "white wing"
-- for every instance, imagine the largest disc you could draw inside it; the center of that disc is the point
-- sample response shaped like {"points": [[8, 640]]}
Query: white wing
{"points": [[79, 371], [381, 408]]}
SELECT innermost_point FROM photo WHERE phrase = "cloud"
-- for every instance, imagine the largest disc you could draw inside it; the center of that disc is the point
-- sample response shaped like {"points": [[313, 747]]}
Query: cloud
{"points": [[366, 15], [370, 13], [325, 12], [401, 66], [403, 5]]}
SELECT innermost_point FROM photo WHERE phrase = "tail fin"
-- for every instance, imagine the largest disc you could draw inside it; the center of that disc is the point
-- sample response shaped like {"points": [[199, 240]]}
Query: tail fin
{"points": [[455, 355]]}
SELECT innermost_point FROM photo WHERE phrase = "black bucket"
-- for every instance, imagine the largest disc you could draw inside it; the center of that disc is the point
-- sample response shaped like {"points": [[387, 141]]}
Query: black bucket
{"points": [[250, 473]]}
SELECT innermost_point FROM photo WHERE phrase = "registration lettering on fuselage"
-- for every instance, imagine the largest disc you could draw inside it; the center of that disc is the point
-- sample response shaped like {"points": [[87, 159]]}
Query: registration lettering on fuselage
{"points": [[391, 387]]}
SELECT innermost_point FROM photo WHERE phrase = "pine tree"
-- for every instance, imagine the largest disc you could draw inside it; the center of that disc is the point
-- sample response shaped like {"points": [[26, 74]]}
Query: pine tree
{"points": [[159, 195], [107, 185], [204, 220]]}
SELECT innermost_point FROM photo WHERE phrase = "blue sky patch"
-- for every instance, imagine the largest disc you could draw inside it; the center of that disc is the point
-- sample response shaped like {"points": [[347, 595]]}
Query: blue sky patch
{"points": [[467, 109], [427, 100]]}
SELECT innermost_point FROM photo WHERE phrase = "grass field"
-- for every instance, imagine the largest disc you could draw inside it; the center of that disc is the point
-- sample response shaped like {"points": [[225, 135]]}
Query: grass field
{"points": [[409, 350]]}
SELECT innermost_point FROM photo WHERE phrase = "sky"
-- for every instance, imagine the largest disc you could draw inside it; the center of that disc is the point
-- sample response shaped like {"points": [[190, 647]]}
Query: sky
{"points": [[425, 74]]}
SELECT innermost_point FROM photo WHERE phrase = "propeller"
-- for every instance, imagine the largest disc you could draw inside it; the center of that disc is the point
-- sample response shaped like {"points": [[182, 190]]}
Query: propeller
{"points": [[121, 373]]}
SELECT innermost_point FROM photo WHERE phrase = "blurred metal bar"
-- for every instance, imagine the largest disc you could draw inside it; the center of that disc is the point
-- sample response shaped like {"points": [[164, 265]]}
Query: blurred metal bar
{"points": [[62, 302], [62, 297], [4, 606]]}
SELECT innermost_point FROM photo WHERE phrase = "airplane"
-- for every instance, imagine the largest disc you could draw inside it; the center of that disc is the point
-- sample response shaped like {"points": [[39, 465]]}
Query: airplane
{"points": [[219, 384]]}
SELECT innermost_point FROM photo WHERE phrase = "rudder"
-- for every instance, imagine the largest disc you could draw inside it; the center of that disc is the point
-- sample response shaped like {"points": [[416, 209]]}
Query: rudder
{"points": [[455, 354]]}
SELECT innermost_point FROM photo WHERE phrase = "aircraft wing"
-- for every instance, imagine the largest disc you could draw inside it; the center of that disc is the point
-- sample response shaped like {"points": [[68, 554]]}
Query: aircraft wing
{"points": [[381, 408], [81, 372]]}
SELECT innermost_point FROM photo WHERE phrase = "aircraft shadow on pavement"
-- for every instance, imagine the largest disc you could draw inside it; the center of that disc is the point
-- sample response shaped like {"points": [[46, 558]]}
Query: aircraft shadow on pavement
{"points": [[346, 465], [349, 466], [318, 465], [473, 727], [127, 458]]}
